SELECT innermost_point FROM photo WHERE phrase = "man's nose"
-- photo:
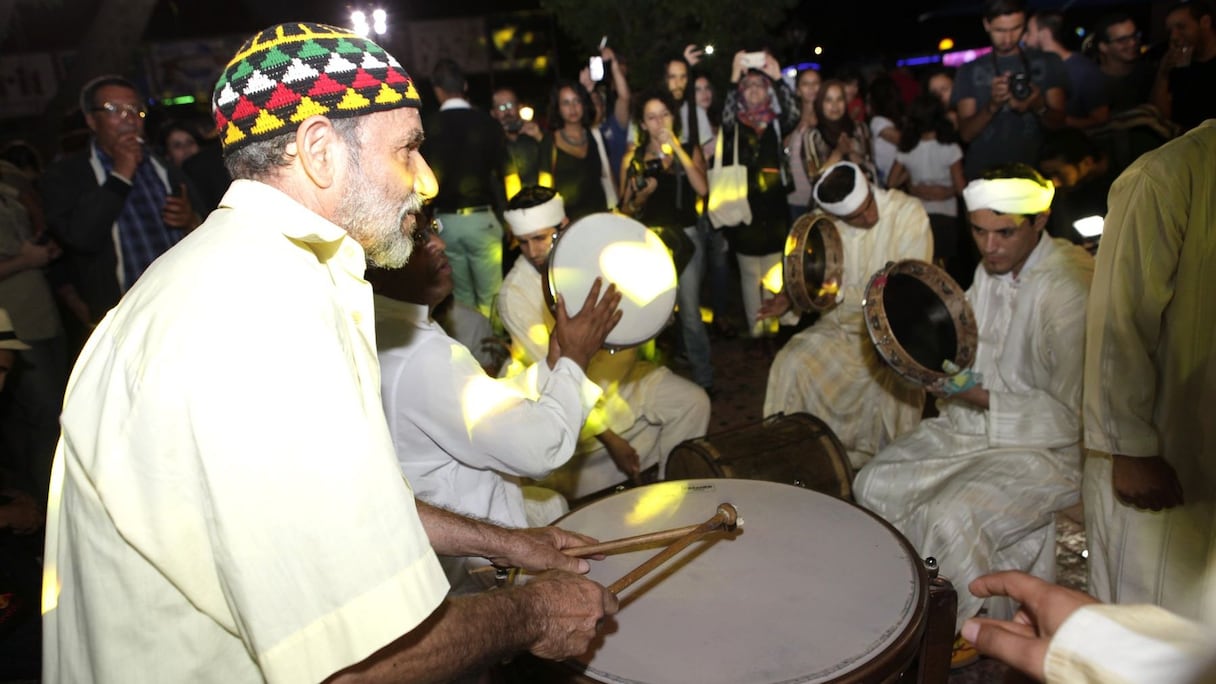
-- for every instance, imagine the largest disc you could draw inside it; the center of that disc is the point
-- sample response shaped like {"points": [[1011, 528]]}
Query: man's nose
{"points": [[425, 183]]}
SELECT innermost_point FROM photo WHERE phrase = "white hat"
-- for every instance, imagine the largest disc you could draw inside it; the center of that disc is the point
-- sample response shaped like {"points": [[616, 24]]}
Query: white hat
{"points": [[548, 214], [8, 336], [1008, 195], [852, 201]]}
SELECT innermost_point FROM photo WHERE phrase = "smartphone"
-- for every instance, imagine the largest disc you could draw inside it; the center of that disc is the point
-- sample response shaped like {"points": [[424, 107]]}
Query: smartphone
{"points": [[753, 60], [597, 68]]}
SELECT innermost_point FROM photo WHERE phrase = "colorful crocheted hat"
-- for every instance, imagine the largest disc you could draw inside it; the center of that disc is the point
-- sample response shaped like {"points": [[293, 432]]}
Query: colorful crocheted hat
{"points": [[290, 72]]}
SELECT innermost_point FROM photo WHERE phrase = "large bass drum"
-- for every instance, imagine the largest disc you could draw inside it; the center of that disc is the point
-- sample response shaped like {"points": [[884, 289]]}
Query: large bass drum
{"points": [[622, 252], [797, 449], [918, 317]]}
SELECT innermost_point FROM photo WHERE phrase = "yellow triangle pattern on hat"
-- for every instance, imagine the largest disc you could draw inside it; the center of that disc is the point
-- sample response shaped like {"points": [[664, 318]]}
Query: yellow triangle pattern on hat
{"points": [[410, 92], [266, 122], [387, 95], [353, 100], [233, 134], [307, 107]]}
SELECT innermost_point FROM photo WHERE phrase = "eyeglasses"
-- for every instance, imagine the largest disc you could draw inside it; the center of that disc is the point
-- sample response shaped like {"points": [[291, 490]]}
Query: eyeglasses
{"points": [[429, 226], [1131, 37], [506, 106], [121, 110]]}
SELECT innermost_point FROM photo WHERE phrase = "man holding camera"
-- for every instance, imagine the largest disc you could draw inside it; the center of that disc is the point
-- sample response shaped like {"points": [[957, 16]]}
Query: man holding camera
{"points": [[1005, 99], [523, 141]]}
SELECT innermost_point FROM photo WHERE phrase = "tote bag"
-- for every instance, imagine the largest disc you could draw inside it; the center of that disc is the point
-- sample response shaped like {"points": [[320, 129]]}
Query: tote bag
{"points": [[727, 204]]}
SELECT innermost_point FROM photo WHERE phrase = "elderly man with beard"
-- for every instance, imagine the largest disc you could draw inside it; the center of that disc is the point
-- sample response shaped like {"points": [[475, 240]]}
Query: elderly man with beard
{"points": [[226, 504]]}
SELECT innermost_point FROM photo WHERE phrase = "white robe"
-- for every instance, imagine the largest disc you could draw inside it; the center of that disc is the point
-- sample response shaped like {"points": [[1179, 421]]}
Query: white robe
{"points": [[831, 370], [1150, 376], [647, 405], [977, 489]]}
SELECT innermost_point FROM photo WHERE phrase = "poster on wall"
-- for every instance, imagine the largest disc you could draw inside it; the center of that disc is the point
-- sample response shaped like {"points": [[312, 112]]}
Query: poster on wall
{"points": [[27, 84]]}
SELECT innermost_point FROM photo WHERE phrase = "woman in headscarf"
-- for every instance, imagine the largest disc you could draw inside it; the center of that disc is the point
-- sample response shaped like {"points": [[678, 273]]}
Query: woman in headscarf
{"points": [[836, 137]]}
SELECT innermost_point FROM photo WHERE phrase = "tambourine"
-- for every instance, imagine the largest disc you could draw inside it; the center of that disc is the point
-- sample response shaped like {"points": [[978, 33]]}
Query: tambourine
{"points": [[623, 252], [814, 263], [918, 317]]}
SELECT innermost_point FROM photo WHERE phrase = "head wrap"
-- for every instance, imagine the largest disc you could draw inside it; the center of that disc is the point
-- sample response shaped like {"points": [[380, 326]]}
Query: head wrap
{"points": [[852, 201], [1008, 195], [290, 72], [548, 214], [759, 116]]}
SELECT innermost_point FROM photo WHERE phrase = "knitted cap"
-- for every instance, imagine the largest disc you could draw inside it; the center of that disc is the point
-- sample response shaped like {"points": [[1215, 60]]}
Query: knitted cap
{"points": [[290, 72]]}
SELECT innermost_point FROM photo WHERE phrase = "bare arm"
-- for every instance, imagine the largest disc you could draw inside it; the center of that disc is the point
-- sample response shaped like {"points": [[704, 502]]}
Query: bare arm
{"points": [[623, 96], [1097, 117], [972, 120], [898, 176]]}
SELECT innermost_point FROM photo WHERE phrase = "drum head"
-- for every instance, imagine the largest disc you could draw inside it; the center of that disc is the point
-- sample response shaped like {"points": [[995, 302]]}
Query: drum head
{"points": [[919, 317], [814, 263], [621, 251], [809, 589]]}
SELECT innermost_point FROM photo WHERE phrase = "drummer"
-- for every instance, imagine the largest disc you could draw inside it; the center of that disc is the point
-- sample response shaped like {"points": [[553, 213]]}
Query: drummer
{"points": [[831, 369], [645, 410], [977, 486], [465, 441]]}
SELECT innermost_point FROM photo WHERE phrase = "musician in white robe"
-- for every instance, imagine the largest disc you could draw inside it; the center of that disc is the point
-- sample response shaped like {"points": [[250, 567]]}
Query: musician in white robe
{"points": [[1150, 382], [977, 487], [831, 370], [645, 410]]}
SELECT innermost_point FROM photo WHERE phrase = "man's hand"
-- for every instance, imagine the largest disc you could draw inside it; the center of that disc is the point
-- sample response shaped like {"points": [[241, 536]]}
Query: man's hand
{"points": [[531, 130], [128, 154], [623, 455], [692, 54], [1033, 103], [774, 307], [1023, 641], [177, 212], [566, 611], [580, 336], [37, 256], [1145, 482], [539, 548], [1000, 93]]}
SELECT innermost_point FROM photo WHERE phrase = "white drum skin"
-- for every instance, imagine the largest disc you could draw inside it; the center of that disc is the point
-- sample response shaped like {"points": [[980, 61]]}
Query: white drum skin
{"points": [[809, 589]]}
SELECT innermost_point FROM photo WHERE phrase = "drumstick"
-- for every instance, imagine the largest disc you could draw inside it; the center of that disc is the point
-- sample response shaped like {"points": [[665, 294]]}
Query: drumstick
{"points": [[629, 543], [725, 517]]}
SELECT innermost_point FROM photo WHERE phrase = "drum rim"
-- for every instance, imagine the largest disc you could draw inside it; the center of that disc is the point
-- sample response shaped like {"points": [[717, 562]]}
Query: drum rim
{"points": [[549, 289], [890, 661], [952, 296], [795, 258]]}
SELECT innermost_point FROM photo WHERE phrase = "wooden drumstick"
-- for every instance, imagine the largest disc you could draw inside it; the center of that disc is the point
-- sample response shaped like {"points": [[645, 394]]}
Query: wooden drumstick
{"points": [[629, 543], [726, 517]]}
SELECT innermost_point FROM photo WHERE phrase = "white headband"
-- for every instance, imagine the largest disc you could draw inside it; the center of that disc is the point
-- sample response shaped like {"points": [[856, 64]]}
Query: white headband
{"points": [[545, 215], [851, 202], [1008, 196]]}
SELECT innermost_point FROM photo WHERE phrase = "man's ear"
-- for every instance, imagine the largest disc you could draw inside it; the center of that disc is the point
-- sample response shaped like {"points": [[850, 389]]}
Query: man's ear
{"points": [[1040, 221], [320, 150]]}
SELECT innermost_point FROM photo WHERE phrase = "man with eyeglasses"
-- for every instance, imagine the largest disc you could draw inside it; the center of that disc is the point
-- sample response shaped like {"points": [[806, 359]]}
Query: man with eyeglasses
{"points": [[523, 141], [465, 442], [115, 207], [1127, 76], [1183, 91]]}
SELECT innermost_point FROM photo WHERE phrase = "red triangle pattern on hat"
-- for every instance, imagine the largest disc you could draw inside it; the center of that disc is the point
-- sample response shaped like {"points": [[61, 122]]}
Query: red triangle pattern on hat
{"points": [[326, 86], [220, 120], [244, 109], [282, 97], [394, 77], [364, 80]]}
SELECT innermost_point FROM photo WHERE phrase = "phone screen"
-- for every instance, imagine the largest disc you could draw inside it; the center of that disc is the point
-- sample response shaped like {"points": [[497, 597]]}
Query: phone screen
{"points": [[597, 68]]}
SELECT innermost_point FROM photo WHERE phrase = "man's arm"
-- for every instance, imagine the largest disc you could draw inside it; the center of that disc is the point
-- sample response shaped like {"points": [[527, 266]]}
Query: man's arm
{"points": [[79, 212], [972, 120]]}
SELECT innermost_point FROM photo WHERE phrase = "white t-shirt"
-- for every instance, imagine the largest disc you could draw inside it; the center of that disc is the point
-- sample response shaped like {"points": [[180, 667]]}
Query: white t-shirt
{"points": [[884, 151], [929, 163]]}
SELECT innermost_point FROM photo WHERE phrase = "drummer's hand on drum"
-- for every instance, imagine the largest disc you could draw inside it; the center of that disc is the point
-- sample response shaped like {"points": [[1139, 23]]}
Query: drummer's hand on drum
{"points": [[1148, 482], [565, 611], [580, 336], [536, 549], [623, 455], [1023, 641], [775, 307]]}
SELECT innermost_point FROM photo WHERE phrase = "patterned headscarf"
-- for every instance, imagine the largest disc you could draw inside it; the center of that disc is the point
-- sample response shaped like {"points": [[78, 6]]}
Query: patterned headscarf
{"points": [[762, 115], [290, 72]]}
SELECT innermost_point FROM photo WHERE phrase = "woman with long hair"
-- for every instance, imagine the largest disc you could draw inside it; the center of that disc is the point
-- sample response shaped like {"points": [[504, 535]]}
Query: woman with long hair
{"points": [[806, 87], [573, 154], [836, 136]]}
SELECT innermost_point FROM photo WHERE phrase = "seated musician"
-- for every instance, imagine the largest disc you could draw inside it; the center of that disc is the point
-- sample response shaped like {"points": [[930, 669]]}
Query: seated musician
{"points": [[645, 411], [464, 439], [977, 486], [831, 369]]}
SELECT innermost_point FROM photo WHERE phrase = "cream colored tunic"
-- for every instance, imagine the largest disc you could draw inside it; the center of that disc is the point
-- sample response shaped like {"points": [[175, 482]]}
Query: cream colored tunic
{"points": [[831, 370], [1150, 374], [226, 505]]}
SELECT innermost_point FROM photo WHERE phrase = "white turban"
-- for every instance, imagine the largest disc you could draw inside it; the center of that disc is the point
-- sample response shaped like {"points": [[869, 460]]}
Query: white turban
{"points": [[545, 215], [851, 202], [1008, 195]]}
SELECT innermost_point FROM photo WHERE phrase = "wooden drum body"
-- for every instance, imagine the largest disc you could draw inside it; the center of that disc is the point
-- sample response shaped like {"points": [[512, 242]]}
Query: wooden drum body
{"points": [[797, 449], [918, 317], [813, 269], [809, 589], [622, 252]]}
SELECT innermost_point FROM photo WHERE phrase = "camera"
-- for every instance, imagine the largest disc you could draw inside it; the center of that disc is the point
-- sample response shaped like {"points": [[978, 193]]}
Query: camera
{"points": [[1019, 86], [641, 170]]}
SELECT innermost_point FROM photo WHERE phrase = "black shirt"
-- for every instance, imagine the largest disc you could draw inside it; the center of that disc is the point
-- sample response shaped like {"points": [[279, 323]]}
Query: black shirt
{"points": [[466, 149], [1193, 93]]}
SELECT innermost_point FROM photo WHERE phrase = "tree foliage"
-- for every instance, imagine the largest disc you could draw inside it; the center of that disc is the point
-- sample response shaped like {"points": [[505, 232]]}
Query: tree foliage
{"points": [[648, 32]]}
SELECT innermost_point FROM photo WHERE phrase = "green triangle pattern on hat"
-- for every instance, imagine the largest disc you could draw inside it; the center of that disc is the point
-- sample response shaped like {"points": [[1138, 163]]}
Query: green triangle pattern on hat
{"points": [[332, 71]]}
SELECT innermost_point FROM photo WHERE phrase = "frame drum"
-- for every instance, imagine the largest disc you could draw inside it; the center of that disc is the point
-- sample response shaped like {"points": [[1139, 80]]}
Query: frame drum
{"points": [[814, 263], [622, 252], [918, 317], [809, 589]]}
